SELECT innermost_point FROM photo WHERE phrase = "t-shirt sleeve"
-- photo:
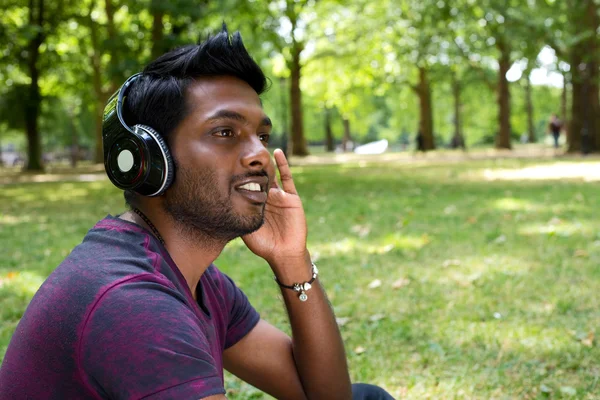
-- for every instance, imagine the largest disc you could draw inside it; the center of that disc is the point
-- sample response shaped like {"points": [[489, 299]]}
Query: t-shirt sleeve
{"points": [[142, 341], [242, 316]]}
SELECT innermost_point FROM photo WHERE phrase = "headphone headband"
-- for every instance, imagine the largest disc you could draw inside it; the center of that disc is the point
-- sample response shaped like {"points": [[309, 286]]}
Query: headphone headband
{"points": [[121, 98]]}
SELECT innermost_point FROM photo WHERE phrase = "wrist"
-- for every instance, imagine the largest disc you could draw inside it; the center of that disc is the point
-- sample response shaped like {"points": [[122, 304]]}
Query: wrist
{"points": [[292, 268], [301, 287]]}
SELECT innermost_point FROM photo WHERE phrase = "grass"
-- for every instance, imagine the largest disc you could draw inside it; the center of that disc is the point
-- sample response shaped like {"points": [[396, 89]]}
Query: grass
{"points": [[446, 284]]}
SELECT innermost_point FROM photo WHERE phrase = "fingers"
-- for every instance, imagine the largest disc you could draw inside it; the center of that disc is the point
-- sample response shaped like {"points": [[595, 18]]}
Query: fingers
{"points": [[272, 175], [284, 172]]}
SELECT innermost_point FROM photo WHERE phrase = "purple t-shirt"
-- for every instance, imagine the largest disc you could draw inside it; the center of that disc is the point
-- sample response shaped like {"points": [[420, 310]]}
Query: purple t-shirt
{"points": [[117, 320]]}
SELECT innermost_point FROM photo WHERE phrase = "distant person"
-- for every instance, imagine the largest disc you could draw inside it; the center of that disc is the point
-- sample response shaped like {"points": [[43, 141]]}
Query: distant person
{"points": [[420, 142], [138, 309], [457, 141], [554, 128]]}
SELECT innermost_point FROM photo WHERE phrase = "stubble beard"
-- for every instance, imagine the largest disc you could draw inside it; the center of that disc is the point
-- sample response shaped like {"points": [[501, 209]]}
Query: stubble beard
{"points": [[202, 212]]}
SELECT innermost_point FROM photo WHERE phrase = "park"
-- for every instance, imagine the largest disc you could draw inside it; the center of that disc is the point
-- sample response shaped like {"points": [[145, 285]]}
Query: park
{"points": [[461, 260]]}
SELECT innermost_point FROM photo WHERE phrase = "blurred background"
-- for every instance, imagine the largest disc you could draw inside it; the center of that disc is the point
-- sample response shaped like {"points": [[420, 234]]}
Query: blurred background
{"points": [[472, 73], [458, 241]]}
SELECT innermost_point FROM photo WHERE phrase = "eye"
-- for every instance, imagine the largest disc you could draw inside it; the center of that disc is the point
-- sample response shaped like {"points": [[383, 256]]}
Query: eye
{"points": [[224, 133], [264, 137]]}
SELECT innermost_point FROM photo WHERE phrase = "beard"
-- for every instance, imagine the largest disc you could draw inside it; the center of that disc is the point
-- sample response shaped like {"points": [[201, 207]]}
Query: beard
{"points": [[197, 207]]}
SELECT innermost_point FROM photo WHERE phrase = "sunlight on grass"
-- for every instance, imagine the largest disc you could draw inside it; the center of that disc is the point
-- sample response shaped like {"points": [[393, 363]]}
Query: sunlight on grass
{"points": [[513, 204], [384, 245], [447, 283], [587, 171], [21, 283], [7, 219], [559, 228]]}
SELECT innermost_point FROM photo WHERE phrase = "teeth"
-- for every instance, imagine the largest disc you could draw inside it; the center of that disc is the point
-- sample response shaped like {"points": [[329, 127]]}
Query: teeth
{"points": [[252, 186]]}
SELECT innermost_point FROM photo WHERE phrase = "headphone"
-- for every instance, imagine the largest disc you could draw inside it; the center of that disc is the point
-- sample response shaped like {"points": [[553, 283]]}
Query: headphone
{"points": [[135, 158]]}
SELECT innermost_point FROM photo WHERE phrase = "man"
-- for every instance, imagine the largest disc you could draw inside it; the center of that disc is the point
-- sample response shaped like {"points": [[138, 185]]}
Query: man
{"points": [[554, 127], [138, 310]]}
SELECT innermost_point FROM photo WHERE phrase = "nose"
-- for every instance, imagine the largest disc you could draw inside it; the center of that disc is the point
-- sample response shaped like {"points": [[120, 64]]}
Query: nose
{"points": [[255, 155]]}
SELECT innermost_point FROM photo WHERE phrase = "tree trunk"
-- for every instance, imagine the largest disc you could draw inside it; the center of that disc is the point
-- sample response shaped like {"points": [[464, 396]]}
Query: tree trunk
{"points": [[578, 105], [74, 141], [458, 139], [112, 37], [584, 130], [329, 141], [158, 45], [563, 100], [425, 111], [298, 141], [32, 108], [97, 84], [529, 109], [347, 136], [503, 139]]}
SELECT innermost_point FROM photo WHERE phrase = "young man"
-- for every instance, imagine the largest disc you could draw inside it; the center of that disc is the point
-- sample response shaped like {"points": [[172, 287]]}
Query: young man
{"points": [[138, 310], [554, 127]]}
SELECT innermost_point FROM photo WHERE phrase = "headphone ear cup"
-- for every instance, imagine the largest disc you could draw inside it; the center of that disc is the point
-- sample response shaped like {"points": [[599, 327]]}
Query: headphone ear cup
{"points": [[164, 159]]}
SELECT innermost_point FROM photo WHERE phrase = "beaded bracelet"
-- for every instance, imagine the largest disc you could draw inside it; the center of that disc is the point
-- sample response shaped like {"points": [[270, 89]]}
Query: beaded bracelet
{"points": [[301, 287]]}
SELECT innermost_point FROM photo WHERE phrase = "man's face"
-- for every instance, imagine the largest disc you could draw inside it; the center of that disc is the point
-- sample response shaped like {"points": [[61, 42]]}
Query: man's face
{"points": [[223, 167]]}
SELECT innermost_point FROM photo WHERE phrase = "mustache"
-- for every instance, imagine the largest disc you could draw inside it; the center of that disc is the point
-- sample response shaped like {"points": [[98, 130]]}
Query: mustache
{"points": [[241, 177]]}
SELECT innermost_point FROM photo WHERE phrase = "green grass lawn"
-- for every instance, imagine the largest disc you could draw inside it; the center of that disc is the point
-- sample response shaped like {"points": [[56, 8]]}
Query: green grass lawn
{"points": [[446, 285]]}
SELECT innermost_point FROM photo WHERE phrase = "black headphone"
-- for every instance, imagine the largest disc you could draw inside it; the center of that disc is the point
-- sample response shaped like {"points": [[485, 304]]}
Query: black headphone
{"points": [[135, 158]]}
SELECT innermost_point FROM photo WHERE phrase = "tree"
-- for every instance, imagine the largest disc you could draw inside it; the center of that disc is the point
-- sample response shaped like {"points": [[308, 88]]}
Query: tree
{"points": [[507, 31], [26, 29], [578, 46], [285, 28]]}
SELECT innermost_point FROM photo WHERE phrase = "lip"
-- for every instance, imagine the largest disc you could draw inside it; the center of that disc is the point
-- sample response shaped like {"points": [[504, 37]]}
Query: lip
{"points": [[254, 197]]}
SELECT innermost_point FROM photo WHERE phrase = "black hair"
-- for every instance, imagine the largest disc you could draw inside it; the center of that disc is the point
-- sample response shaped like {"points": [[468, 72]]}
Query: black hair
{"points": [[158, 97]]}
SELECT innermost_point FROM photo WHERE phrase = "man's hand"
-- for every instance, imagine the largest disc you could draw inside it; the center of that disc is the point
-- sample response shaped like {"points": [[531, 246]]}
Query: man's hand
{"points": [[316, 350], [283, 234]]}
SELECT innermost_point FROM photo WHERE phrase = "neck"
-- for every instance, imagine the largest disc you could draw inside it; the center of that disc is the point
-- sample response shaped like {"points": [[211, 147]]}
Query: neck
{"points": [[191, 251]]}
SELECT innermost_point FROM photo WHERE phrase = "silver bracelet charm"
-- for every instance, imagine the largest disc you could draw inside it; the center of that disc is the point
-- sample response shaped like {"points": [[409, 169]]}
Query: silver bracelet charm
{"points": [[301, 288]]}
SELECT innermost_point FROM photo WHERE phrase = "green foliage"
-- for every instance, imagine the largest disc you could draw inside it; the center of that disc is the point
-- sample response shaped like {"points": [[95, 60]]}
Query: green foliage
{"points": [[358, 57]]}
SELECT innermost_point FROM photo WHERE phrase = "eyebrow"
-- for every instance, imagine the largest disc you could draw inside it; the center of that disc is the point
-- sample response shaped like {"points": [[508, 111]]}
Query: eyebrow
{"points": [[228, 114]]}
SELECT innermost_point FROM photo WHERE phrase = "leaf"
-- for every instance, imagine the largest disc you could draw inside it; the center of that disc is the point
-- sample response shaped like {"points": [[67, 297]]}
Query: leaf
{"points": [[361, 230], [359, 350], [581, 253], [500, 239], [400, 283], [568, 390], [450, 209], [588, 341], [451, 263], [385, 249], [545, 389], [425, 238], [376, 317], [375, 284], [555, 221]]}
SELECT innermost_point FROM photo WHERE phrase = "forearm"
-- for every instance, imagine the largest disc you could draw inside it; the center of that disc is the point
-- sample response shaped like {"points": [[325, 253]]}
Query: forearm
{"points": [[317, 345]]}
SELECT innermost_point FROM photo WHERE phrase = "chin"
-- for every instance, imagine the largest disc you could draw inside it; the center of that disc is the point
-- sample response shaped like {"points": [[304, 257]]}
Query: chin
{"points": [[251, 225]]}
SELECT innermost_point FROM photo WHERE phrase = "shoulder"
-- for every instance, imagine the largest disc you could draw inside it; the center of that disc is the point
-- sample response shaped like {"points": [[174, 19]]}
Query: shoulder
{"points": [[218, 278], [138, 330], [135, 298]]}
